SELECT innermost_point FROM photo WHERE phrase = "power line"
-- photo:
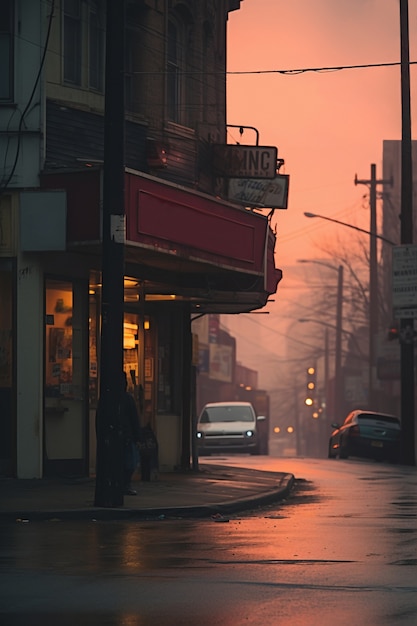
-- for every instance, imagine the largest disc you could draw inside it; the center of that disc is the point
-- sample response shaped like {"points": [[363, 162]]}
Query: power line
{"points": [[288, 72], [304, 70]]}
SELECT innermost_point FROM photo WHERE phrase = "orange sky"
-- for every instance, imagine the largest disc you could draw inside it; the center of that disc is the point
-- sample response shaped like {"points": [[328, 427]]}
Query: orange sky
{"points": [[328, 126]]}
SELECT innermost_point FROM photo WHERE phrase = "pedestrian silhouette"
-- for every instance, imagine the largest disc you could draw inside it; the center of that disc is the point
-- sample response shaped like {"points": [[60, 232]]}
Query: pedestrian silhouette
{"points": [[130, 424]]}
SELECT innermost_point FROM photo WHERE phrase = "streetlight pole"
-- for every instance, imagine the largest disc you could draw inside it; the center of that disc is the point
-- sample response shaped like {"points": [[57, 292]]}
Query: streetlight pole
{"points": [[338, 387], [326, 371], [373, 268]]}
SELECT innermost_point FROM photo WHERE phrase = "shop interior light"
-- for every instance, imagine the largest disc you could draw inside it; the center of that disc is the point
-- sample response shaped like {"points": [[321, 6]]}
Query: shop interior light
{"points": [[155, 297], [130, 334]]}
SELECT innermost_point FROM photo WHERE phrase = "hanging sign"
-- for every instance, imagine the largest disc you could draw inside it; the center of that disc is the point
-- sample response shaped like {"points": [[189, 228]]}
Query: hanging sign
{"points": [[236, 161], [257, 192]]}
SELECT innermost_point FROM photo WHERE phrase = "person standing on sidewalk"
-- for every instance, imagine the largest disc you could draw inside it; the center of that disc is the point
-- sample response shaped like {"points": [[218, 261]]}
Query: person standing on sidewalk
{"points": [[130, 423]]}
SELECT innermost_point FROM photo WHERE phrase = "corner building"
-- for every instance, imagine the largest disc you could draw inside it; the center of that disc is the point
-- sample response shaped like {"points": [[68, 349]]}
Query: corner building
{"points": [[188, 250]]}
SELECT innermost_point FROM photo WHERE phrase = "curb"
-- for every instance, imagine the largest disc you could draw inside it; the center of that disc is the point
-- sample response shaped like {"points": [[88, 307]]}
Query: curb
{"points": [[190, 512]]}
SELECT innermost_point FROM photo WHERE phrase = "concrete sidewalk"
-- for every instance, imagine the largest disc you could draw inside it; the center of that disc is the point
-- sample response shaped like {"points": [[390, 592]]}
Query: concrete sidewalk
{"points": [[213, 490]]}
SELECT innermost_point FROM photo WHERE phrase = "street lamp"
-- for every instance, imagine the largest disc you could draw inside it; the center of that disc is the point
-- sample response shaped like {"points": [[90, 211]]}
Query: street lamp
{"points": [[339, 322], [373, 294], [361, 230]]}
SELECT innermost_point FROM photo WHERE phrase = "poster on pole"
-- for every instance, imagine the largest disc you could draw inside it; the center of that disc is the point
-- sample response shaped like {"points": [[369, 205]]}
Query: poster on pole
{"points": [[404, 281]]}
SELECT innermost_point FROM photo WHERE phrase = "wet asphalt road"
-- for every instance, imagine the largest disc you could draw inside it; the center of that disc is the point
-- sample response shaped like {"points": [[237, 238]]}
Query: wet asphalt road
{"points": [[341, 550]]}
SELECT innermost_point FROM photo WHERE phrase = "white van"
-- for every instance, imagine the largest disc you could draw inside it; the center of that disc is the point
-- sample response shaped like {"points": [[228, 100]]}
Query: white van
{"points": [[227, 426]]}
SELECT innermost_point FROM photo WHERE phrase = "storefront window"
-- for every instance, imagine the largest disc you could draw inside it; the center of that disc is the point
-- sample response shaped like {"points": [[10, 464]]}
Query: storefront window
{"points": [[93, 334], [164, 369], [139, 361], [5, 329], [149, 376], [130, 351], [65, 408], [58, 375]]}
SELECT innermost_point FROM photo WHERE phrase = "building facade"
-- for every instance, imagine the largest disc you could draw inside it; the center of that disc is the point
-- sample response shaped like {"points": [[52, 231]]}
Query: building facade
{"points": [[388, 346], [188, 251]]}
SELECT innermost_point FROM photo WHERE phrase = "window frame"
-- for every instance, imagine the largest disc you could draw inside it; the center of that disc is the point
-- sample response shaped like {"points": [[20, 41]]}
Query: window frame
{"points": [[96, 52], [7, 33], [71, 36], [174, 71], [83, 44], [179, 28]]}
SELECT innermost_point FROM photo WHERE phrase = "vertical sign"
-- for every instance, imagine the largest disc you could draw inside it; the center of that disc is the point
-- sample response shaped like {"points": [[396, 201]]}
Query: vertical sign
{"points": [[404, 281]]}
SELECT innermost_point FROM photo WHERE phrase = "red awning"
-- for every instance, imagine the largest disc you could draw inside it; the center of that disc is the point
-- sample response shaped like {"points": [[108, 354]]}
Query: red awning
{"points": [[177, 230]]}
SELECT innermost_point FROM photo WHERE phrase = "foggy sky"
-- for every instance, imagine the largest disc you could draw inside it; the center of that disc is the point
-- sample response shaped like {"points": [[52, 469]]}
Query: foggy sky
{"points": [[328, 126]]}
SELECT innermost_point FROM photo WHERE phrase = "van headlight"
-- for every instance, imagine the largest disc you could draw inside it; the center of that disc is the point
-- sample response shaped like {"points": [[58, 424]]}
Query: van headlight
{"points": [[249, 433], [199, 434]]}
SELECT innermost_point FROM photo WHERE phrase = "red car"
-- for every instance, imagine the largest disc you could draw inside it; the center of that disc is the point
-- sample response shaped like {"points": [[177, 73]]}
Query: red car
{"points": [[367, 434]]}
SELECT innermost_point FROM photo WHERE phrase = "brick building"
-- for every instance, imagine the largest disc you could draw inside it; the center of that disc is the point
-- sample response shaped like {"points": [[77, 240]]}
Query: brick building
{"points": [[188, 251]]}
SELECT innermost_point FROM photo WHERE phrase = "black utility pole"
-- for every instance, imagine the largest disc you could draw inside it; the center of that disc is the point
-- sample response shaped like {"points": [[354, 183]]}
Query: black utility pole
{"points": [[373, 281], [406, 216], [187, 358], [339, 395], [109, 471]]}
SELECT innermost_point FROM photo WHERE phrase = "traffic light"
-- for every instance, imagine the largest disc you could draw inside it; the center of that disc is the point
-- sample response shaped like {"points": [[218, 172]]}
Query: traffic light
{"points": [[393, 333], [311, 386]]}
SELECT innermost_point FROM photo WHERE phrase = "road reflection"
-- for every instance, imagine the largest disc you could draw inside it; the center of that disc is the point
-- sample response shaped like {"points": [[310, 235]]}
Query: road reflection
{"points": [[340, 550], [114, 619]]}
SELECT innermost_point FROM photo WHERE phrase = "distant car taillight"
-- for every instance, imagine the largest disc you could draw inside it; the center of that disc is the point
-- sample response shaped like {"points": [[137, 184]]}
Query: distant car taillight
{"points": [[355, 431]]}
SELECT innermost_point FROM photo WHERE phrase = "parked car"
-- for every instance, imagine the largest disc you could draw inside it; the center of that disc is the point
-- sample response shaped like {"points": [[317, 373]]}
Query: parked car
{"points": [[366, 434], [229, 427]]}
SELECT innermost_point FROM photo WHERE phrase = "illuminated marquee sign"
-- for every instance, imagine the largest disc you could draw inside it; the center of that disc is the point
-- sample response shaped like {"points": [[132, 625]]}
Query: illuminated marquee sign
{"points": [[235, 161]]}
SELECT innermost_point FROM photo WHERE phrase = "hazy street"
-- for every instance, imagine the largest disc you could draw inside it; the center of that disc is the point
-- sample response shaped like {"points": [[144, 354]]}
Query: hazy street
{"points": [[341, 550]]}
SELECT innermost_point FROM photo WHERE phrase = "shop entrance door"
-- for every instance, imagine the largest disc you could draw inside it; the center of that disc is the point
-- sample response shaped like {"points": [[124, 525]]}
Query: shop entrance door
{"points": [[132, 365], [7, 417], [139, 362], [65, 392], [132, 357]]}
